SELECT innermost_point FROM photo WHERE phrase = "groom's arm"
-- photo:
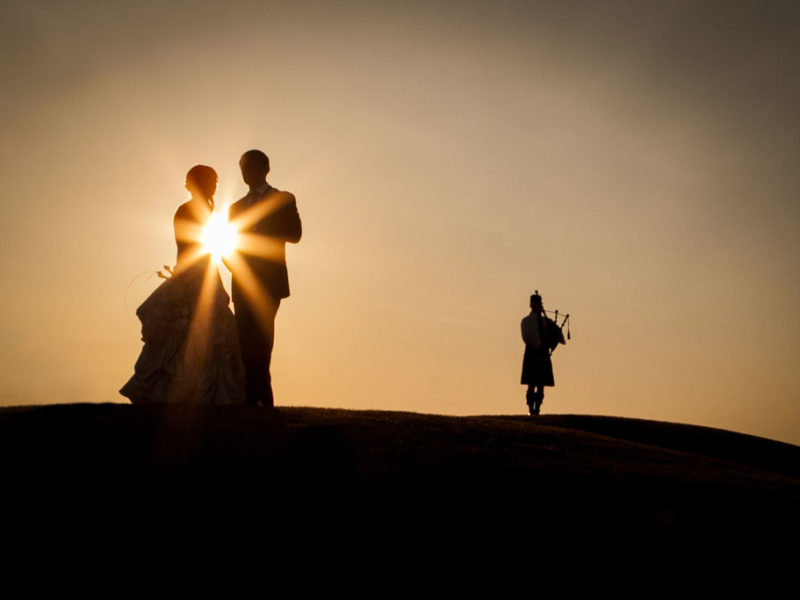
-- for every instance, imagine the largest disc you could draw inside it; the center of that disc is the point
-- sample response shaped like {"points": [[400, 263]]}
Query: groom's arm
{"points": [[287, 222]]}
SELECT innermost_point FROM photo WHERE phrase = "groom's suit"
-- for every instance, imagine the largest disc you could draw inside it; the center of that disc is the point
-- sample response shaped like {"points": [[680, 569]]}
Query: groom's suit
{"points": [[266, 219]]}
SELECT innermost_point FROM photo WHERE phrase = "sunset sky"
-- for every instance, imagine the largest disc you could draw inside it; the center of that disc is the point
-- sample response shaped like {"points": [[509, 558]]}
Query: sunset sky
{"points": [[636, 162]]}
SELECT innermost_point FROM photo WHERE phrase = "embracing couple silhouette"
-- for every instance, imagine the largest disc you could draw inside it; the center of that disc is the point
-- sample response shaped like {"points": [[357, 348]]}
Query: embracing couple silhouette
{"points": [[196, 350]]}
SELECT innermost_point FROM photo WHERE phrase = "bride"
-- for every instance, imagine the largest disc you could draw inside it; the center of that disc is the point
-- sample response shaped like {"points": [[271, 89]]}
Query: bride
{"points": [[191, 351]]}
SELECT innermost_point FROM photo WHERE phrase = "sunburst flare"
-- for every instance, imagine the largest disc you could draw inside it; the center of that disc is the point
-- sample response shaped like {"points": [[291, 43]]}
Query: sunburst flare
{"points": [[219, 238]]}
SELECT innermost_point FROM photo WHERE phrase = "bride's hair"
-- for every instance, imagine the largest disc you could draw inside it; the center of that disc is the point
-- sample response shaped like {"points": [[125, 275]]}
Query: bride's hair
{"points": [[202, 179]]}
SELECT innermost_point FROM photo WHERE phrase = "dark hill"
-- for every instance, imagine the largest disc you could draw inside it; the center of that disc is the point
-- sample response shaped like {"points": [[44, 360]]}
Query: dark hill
{"points": [[566, 470]]}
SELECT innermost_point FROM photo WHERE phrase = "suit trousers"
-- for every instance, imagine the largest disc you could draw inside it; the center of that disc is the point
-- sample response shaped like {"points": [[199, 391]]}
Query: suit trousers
{"points": [[256, 328]]}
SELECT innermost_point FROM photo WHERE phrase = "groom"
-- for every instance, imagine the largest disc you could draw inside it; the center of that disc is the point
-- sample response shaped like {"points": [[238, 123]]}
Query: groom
{"points": [[266, 219]]}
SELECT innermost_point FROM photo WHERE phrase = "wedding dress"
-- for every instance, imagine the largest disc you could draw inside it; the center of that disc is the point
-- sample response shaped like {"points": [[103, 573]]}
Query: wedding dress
{"points": [[191, 350]]}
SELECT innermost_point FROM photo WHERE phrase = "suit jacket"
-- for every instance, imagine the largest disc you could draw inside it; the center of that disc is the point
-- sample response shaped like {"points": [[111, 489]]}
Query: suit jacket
{"points": [[268, 222]]}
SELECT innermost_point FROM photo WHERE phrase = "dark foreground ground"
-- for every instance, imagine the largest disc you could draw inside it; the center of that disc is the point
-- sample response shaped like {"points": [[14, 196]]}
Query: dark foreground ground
{"points": [[374, 469]]}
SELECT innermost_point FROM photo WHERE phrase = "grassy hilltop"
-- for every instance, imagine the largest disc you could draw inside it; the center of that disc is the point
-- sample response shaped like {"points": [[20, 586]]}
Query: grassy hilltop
{"points": [[622, 474]]}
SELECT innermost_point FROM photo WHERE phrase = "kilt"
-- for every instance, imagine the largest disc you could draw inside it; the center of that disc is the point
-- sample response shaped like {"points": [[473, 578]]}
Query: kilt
{"points": [[537, 368]]}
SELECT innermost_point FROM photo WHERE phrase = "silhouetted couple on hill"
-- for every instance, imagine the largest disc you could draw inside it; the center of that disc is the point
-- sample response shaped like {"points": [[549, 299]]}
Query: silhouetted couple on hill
{"points": [[195, 350]]}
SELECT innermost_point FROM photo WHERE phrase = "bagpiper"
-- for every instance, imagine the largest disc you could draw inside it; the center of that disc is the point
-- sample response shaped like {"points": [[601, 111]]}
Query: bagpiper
{"points": [[541, 335]]}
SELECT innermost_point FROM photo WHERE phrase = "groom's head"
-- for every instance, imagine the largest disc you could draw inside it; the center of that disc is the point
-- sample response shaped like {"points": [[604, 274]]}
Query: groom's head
{"points": [[255, 166]]}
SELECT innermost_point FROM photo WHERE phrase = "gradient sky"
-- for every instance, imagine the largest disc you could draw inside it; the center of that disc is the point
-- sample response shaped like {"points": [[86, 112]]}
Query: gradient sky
{"points": [[637, 162]]}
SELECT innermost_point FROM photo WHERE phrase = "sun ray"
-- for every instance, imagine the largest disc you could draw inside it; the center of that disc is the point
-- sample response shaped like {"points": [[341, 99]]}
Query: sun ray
{"points": [[190, 257], [261, 246], [257, 212], [189, 229], [197, 347], [252, 288]]}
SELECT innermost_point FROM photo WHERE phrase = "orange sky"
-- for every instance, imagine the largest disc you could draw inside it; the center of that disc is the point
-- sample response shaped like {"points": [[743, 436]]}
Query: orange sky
{"points": [[635, 162]]}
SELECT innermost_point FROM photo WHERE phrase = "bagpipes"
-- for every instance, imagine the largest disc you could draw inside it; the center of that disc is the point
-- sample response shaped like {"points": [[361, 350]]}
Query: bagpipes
{"points": [[555, 314], [565, 322]]}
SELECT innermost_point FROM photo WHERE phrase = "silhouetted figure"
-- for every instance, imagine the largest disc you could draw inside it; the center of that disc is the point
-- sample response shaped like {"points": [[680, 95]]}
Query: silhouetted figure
{"points": [[541, 336], [191, 351], [266, 218]]}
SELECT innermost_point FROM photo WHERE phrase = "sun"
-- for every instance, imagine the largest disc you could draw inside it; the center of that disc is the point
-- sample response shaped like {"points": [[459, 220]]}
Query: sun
{"points": [[219, 237]]}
